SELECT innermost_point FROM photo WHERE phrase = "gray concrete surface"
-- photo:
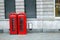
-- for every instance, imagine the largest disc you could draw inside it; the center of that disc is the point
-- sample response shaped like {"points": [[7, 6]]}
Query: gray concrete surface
{"points": [[31, 36]]}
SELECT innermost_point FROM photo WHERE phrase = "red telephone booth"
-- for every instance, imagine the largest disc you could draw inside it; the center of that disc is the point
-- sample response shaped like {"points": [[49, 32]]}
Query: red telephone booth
{"points": [[13, 23], [22, 23]]}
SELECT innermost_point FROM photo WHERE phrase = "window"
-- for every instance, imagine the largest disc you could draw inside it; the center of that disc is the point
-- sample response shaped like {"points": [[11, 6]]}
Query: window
{"points": [[57, 8], [9, 7], [30, 8]]}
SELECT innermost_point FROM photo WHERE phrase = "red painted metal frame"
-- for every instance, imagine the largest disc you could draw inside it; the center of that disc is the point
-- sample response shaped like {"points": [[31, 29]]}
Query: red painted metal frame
{"points": [[13, 23], [24, 23]]}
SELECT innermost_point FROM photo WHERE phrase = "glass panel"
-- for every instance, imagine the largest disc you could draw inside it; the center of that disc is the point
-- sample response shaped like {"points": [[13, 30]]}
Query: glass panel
{"points": [[30, 8], [57, 8], [9, 7]]}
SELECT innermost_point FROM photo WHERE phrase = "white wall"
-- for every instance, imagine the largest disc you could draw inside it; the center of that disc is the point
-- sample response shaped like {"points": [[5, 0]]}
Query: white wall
{"points": [[2, 9], [19, 5], [45, 10], [36, 24]]}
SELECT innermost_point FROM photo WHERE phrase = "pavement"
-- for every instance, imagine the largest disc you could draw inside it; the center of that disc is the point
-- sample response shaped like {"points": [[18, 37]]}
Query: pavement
{"points": [[31, 36]]}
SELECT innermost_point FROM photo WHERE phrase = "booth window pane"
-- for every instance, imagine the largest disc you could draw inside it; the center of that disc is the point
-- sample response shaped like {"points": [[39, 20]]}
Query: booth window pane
{"points": [[30, 8], [9, 7]]}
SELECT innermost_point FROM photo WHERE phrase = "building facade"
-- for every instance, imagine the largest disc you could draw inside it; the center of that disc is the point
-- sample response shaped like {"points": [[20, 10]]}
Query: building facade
{"points": [[42, 14]]}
